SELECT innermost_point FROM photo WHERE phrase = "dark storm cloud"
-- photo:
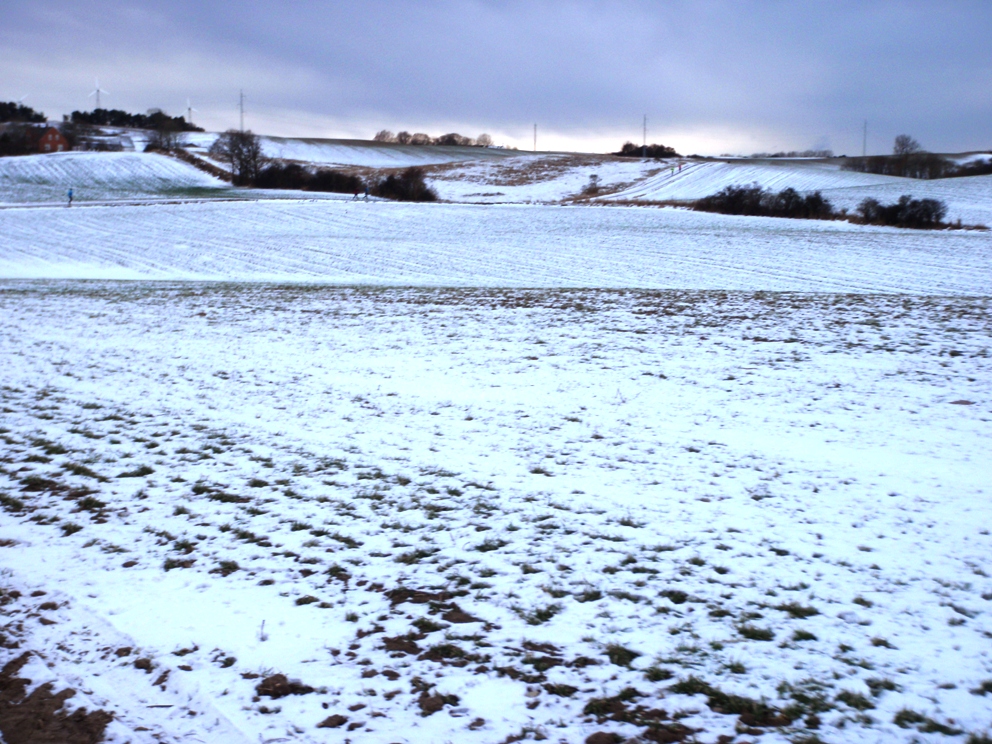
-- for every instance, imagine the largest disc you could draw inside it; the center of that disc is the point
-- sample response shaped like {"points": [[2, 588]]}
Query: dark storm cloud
{"points": [[710, 74]]}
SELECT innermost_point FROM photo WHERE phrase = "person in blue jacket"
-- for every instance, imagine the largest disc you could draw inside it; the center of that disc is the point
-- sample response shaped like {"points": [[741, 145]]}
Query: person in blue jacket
{"points": [[69, 194]]}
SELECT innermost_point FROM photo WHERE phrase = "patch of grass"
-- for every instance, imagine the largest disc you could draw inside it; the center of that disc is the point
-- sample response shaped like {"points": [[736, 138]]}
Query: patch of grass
{"points": [[754, 633], [10, 503], [855, 700], [620, 655], [226, 568], [675, 596], [82, 470], [349, 541], [415, 556], [180, 511], [798, 611], [426, 625], [69, 528], [138, 472], [90, 504], [541, 615], [803, 635], [866, 603], [881, 643], [299, 526], [985, 688], [907, 718], [257, 483], [490, 544], [589, 595], [305, 600], [657, 674]]}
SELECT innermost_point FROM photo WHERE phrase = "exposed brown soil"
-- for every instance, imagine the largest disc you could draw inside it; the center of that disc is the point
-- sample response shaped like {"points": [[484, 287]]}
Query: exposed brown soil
{"points": [[39, 718], [278, 686]]}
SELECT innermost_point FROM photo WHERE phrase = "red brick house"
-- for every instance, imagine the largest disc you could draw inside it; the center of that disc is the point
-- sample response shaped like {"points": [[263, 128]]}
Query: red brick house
{"points": [[48, 139]]}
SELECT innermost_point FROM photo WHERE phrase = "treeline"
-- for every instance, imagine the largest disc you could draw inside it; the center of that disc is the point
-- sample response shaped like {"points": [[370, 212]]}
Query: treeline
{"points": [[910, 160], [925, 165], [13, 111], [795, 154], [452, 138], [154, 119], [921, 214], [249, 167], [656, 152], [408, 185], [757, 202]]}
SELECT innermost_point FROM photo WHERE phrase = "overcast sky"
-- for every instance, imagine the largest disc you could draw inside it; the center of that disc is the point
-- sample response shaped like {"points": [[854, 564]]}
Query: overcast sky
{"points": [[712, 76]]}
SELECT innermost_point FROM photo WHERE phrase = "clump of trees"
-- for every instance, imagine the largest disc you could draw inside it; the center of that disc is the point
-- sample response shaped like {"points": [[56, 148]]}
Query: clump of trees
{"points": [[154, 119], [756, 201], [18, 112], [452, 138], [908, 160], [656, 152], [408, 186], [243, 150], [921, 214], [295, 176], [795, 154]]}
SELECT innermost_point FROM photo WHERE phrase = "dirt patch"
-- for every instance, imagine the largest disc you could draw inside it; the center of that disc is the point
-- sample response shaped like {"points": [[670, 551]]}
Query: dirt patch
{"points": [[38, 718], [278, 686]]}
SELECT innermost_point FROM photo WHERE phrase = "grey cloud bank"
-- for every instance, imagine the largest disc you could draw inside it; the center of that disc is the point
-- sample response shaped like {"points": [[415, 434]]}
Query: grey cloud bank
{"points": [[712, 76]]}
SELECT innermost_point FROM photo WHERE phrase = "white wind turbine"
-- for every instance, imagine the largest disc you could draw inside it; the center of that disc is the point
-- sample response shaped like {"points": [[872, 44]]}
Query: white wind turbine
{"points": [[97, 90], [189, 111]]}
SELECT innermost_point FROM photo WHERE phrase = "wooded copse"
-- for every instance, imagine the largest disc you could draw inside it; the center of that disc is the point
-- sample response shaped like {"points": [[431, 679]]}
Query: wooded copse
{"points": [[921, 214], [450, 139]]}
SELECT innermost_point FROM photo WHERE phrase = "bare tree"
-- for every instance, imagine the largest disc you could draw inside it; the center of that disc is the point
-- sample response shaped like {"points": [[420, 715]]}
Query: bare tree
{"points": [[384, 135], [484, 140], [906, 145], [243, 150], [404, 138], [420, 139], [167, 138]]}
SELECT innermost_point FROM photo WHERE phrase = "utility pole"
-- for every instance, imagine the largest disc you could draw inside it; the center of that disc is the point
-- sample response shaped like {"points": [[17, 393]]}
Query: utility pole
{"points": [[644, 148], [535, 138], [241, 108], [864, 141]]}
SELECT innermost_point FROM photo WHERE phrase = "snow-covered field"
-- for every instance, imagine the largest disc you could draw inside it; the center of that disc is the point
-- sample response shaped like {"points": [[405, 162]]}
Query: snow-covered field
{"points": [[102, 176], [493, 472], [449, 244], [465, 515]]}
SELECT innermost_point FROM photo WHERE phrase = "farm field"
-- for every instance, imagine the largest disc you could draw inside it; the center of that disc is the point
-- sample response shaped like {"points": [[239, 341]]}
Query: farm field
{"points": [[283, 467], [479, 245], [472, 514]]}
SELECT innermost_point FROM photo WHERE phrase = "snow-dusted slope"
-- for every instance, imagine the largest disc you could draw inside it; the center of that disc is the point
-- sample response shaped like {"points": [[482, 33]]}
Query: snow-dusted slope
{"points": [[100, 176], [699, 179], [442, 244], [373, 154]]}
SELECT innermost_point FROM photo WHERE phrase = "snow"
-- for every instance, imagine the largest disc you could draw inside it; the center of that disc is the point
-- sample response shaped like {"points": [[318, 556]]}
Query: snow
{"points": [[101, 176], [702, 178], [590, 453], [374, 154], [577, 430], [349, 242]]}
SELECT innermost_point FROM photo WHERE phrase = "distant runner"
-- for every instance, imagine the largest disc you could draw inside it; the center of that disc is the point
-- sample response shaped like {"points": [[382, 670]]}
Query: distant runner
{"points": [[366, 193], [69, 194]]}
